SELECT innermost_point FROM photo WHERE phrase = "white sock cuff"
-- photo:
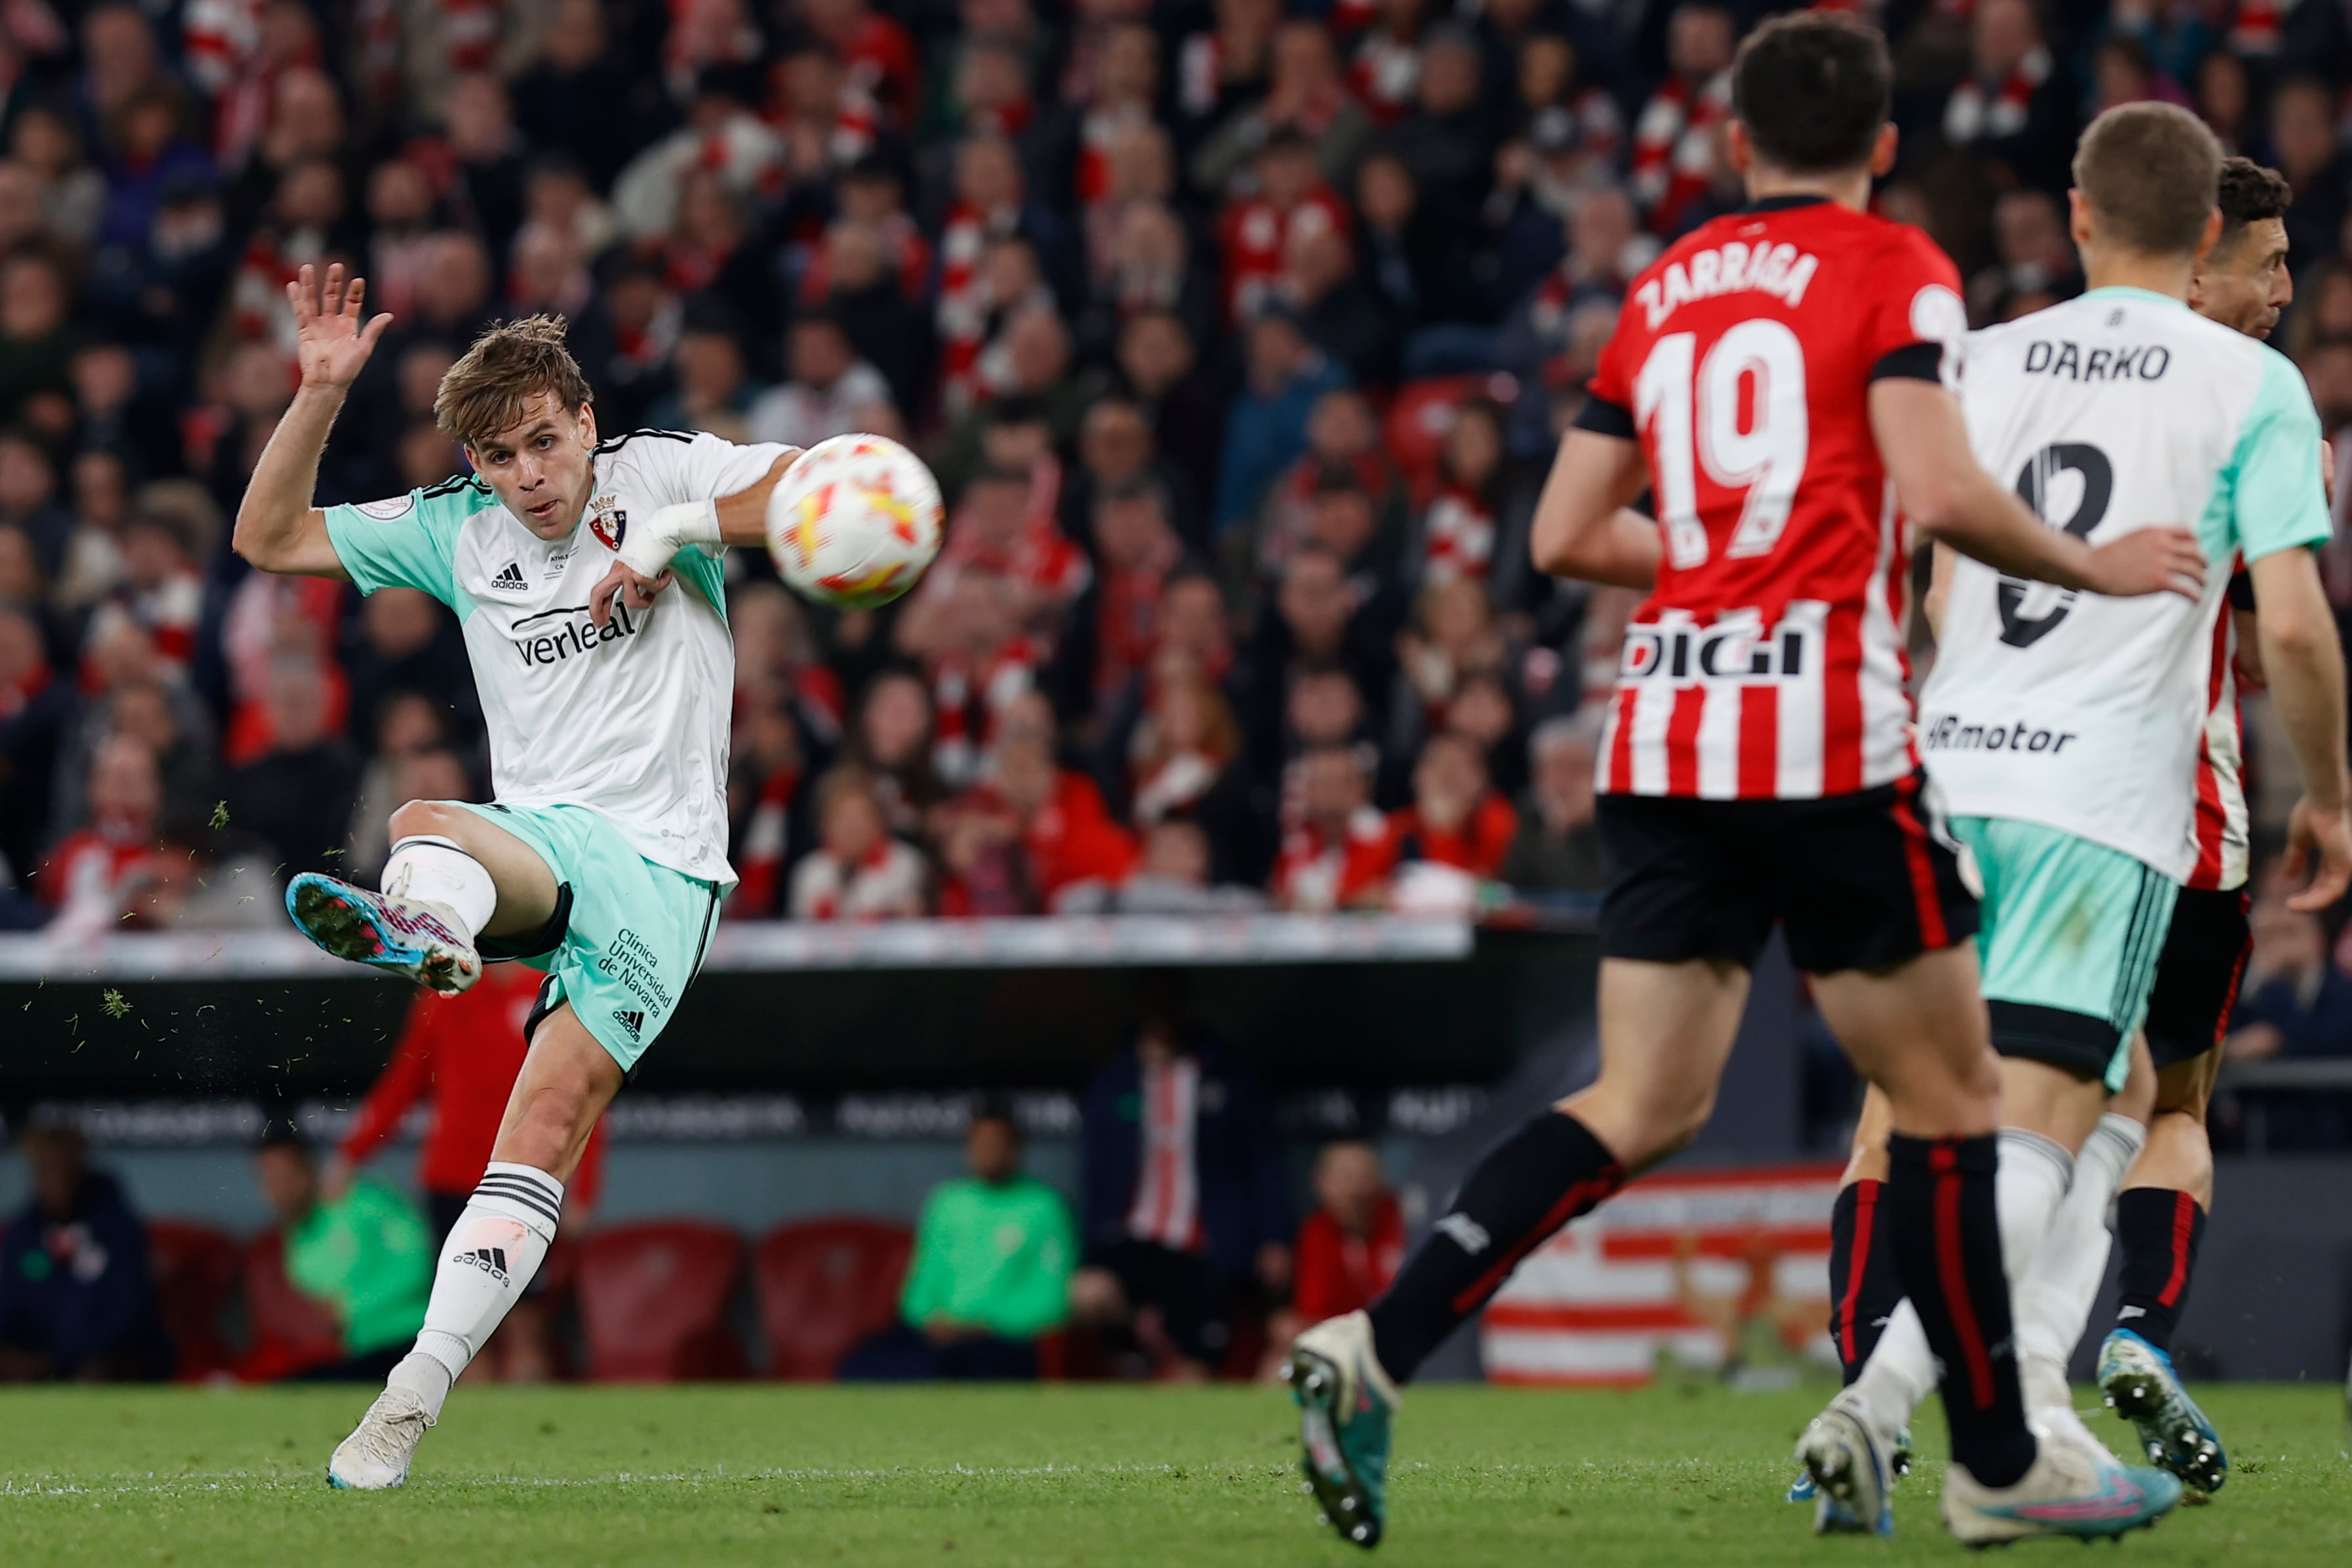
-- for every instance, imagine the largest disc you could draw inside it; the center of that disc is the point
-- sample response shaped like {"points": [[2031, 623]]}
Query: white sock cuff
{"points": [[2016, 1142], [2123, 1137], [428, 1370], [435, 870], [528, 1196]]}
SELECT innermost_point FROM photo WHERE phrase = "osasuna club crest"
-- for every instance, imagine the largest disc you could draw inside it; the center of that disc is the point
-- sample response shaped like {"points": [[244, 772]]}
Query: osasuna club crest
{"points": [[608, 522]]}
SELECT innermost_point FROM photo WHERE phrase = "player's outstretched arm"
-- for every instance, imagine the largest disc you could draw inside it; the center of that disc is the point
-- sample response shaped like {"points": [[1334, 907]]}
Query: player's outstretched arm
{"points": [[1925, 444], [642, 568], [2304, 665], [1582, 528], [278, 528]]}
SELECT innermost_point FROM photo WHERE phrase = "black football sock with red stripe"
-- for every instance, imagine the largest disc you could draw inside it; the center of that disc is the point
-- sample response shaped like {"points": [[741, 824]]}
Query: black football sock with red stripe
{"points": [[2157, 1229], [1865, 1288], [1531, 1184], [1945, 1231]]}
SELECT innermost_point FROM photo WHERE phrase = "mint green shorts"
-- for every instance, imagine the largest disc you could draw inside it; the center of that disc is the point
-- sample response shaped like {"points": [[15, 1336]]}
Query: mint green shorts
{"points": [[2068, 935], [632, 933]]}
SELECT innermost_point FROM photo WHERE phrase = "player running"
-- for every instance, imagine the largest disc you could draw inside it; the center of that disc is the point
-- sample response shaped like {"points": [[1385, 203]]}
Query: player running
{"points": [[1774, 381], [2242, 283], [2065, 732], [603, 860]]}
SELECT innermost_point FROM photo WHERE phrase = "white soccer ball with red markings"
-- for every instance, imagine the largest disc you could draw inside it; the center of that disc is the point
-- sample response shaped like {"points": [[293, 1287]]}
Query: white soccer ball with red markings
{"points": [[853, 523]]}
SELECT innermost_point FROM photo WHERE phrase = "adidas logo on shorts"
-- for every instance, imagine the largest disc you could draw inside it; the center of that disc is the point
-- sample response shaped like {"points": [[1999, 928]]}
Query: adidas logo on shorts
{"points": [[511, 580], [490, 1260], [634, 1022]]}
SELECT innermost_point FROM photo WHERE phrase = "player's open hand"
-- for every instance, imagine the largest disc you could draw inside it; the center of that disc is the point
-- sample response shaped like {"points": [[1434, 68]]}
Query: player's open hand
{"points": [[2319, 845], [2164, 559], [332, 344], [632, 589]]}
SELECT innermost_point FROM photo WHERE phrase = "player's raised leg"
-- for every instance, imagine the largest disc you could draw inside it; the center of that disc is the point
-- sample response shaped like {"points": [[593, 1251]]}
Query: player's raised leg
{"points": [[453, 877], [496, 1248], [1665, 1031]]}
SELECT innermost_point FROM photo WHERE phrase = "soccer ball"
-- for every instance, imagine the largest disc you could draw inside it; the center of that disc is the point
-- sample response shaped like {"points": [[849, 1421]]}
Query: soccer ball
{"points": [[853, 523]]}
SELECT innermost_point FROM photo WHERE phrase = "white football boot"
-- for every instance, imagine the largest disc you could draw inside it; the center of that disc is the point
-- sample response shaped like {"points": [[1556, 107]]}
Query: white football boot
{"points": [[375, 1457], [2067, 1493]]}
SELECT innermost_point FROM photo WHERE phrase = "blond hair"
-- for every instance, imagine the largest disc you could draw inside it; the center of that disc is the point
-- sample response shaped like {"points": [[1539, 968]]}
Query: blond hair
{"points": [[511, 364]]}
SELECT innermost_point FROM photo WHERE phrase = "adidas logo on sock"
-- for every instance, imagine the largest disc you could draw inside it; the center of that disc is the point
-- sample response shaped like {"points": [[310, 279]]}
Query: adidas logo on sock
{"points": [[1467, 1233], [490, 1260], [634, 1022], [511, 580]]}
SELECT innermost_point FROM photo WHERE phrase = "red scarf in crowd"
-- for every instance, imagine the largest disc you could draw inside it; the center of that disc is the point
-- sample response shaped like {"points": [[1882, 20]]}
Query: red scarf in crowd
{"points": [[1673, 148], [1988, 112], [1457, 537], [760, 858]]}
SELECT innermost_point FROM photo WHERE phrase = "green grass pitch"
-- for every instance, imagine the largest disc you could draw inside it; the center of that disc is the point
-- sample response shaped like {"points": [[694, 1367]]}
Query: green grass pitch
{"points": [[1079, 1475]]}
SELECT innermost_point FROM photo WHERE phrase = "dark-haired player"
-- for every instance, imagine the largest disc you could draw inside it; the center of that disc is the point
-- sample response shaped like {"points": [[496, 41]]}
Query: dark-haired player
{"points": [[1774, 382]]}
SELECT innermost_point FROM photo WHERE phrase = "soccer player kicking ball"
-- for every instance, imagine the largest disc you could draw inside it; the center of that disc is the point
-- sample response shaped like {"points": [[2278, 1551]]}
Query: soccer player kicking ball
{"points": [[2065, 732], [1774, 381], [2242, 283], [604, 860]]}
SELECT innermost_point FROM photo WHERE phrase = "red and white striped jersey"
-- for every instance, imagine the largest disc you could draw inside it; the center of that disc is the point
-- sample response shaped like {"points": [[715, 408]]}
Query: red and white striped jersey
{"points": [[1167, 1207], [2224, 855], [1768, 663]]}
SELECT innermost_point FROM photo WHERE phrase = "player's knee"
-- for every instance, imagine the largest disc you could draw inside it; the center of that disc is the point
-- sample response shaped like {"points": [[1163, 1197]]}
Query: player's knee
{"points": [[429, 818], [2186, 1090], [1094, 1296], [1670, 1128]]}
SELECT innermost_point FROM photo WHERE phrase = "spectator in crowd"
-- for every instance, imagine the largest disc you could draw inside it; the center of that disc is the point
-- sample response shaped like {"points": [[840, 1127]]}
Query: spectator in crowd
{"points": [[1558, 847], [2293, 1004], [1187, 1224], [1266, 429], [1349, 1247], [830, 390], [1337, 855], [1455, 818], [96, 874], [298, 793], [76, 1289], [1674, 146], [363, 1255], [2016, 107], [857, 870], [36, 709], [991, 1272]]}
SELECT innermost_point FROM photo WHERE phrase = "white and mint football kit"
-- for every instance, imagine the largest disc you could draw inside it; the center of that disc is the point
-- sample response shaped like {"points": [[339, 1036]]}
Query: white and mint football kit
{"points": [[2060, 729], [608, 748]]}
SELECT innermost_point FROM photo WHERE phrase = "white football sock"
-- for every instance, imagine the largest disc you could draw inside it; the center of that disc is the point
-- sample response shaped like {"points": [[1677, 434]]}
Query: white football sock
{"points": [[2055, 1297], [2034, 1175], [491, 1253], [1902, 1372], [429, 870]]}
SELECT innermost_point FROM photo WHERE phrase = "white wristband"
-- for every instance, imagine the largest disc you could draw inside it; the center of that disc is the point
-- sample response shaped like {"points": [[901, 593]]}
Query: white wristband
{"points": [[646, 547]]}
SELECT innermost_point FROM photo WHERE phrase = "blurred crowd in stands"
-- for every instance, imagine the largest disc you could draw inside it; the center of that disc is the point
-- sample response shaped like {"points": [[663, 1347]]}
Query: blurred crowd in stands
{"points": [[1239, 334]]}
